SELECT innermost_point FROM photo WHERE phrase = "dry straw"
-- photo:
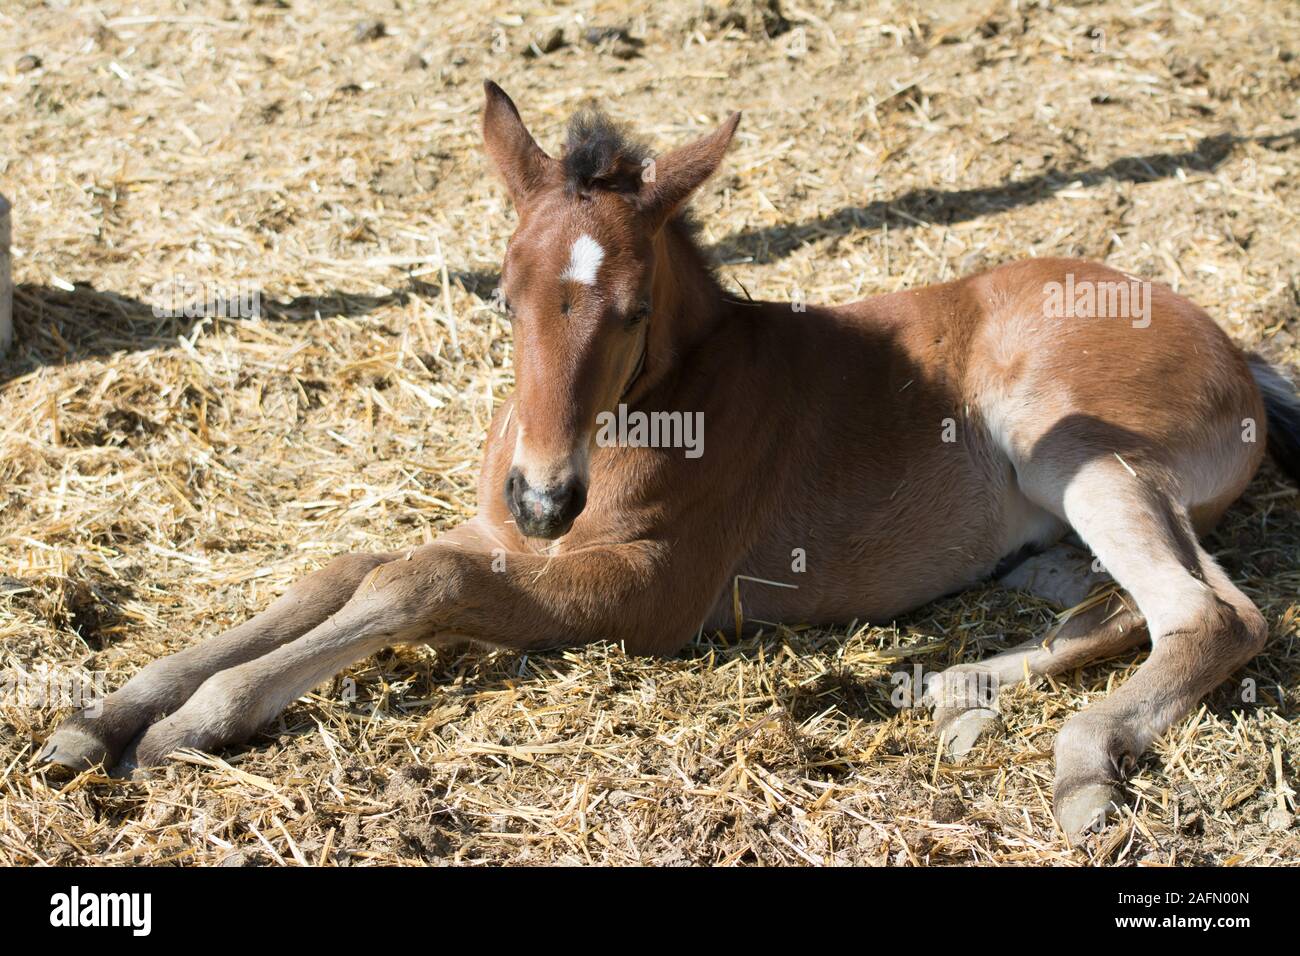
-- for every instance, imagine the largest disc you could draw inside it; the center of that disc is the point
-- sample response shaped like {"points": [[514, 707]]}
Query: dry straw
{"points": [[165, 476]]}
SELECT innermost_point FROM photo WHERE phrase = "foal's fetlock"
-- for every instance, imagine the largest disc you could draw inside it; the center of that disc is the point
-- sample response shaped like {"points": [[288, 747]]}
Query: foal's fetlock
{"points": [[1094, 755], [98, 735], [148, 750], [964, 707], [83, 741], [219, 713]]}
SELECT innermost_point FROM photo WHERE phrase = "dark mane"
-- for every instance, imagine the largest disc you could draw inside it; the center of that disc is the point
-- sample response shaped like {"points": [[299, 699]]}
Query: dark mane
{"points": [[599, 154]]}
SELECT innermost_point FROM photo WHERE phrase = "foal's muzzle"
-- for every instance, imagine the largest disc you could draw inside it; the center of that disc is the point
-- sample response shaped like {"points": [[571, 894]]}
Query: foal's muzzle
{"points": [[544, 512]]}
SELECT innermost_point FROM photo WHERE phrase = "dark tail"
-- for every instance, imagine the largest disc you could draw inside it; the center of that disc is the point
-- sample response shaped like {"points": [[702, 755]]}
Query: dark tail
{"points": [[1283, 409]]}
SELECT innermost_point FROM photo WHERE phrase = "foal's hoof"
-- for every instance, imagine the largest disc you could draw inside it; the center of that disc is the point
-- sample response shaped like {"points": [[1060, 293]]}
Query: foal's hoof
{"points": [[128, 765], [961, 731], [74, 746], [1085, 809], [142, 756]]}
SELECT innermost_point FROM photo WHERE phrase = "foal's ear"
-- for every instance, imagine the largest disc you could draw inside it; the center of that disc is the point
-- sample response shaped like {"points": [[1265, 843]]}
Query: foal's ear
{"points": [[521, 163], [678, 174]]}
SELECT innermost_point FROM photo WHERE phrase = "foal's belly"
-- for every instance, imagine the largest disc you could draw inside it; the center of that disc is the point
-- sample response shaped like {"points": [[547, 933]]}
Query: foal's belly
{"points": [[871, 557]]}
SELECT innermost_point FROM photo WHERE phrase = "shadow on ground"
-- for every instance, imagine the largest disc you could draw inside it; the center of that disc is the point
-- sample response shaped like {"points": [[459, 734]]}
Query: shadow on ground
{"points": [[55, 326]]}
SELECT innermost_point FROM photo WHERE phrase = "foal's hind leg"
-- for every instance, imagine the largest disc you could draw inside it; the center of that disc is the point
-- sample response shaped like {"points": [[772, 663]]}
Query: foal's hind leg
{"points": [[100, 736], [1202, 627], [1103, 625]]}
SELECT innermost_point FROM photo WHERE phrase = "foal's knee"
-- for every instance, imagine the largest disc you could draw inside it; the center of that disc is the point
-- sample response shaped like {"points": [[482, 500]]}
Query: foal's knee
{"points": [[329, 589], [403, 595]]}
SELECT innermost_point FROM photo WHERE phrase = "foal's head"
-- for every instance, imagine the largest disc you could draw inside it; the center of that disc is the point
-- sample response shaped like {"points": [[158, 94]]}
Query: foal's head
{"points": [[577, 283]]}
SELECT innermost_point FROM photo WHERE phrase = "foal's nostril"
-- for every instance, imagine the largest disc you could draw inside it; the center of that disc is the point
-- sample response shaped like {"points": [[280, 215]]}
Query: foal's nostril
{"points": [[569, 500], [515, 486], [544, 512]]}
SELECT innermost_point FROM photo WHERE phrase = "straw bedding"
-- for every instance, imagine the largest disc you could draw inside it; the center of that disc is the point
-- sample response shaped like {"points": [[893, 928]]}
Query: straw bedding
{"points": [[163, 477]]}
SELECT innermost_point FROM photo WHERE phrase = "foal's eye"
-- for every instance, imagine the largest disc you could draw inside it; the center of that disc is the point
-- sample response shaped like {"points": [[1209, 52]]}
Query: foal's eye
{"points": [[640, 313]]}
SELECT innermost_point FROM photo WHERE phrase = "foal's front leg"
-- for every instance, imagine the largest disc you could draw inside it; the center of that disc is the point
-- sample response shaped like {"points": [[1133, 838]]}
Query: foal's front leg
{"points": [[521, 601], [99, 735]]}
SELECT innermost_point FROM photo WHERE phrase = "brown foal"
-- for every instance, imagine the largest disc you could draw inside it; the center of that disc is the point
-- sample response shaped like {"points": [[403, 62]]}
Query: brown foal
{"points": [[850, 463]]}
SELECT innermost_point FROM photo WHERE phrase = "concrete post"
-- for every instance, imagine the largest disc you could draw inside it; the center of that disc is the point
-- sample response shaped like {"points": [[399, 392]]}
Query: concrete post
{"points": [[6, 280]]}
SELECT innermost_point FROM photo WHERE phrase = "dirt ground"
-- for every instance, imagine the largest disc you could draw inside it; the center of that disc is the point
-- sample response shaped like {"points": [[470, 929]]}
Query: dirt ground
{"points": [[164, 477]]}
